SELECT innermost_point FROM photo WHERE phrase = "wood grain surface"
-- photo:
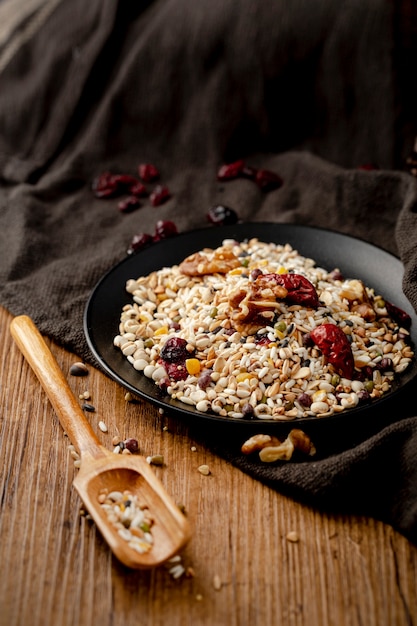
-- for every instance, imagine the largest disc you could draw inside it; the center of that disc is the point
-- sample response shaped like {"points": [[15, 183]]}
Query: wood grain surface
{"points": [[241, 569]]}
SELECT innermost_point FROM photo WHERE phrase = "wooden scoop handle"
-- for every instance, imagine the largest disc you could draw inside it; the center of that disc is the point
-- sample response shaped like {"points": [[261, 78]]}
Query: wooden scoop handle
{"points": [[43, 363]]}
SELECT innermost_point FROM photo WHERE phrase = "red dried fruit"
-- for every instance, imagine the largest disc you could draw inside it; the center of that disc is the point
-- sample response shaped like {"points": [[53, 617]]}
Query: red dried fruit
{"points": [[148, 172], [300, 290], [249, 172], [175, 350], [129, 204], [139, 241], [138, 189], [262, 340], [105, 185], [334, 344], [159, 195], [398, 315], [176, 371], [125, 181], [229, 171], [108, 185], [164, 229], [222, 215], [267, 180]]}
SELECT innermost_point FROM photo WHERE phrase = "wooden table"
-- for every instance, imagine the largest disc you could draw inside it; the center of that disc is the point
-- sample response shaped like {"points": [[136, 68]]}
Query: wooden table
{"points": [[241, 569]]}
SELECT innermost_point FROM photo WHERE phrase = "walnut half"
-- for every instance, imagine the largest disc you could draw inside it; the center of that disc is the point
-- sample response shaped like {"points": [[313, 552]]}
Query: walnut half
{"points": [[272, 449]]}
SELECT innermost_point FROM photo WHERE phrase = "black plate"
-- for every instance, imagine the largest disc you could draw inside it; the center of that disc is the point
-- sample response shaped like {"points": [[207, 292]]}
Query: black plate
{"points": [[355, 259]]}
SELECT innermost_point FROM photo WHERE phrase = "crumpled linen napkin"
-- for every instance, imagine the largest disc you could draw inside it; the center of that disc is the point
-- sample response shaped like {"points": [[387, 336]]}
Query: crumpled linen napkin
{"points": [[188, 86]]}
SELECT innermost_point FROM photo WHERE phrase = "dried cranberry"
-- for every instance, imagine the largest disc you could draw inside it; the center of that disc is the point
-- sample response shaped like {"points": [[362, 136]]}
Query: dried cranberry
{"points": [[364, 397], [249, 172], [108, 185], [398, 315], [262, 340], [336, 274], [105, 185], [267, 180], [164, 382], [125, 181], [139, 241], [164, 229], [159, 195], [175, 350], [176, 371], [138, 189], [367, 167], [129, 204], [222, 215], [229, 171], [148, 172]]}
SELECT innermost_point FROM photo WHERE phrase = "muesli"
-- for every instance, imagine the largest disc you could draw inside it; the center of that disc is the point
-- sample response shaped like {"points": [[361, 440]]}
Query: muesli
{"points": [[254, 330]]}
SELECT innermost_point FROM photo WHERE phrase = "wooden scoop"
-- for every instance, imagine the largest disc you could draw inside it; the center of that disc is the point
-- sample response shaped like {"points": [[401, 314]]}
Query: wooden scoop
{"points": [[100, 468]]}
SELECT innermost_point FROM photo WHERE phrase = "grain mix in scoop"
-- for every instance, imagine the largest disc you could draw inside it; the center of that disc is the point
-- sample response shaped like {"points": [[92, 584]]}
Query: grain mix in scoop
{"points": [[254, 330]]}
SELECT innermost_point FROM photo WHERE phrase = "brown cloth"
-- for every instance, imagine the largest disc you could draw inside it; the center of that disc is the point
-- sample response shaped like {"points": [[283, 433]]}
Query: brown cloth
{"points": [[312, 90]]}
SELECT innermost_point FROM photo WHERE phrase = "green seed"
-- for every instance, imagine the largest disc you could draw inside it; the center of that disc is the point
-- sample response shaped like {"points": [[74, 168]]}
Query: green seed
{"points": [[281, 326], [213, 312], [369, 386]]}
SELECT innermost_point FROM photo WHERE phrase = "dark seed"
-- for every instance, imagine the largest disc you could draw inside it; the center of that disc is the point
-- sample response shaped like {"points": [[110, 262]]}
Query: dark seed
{"points": [[204, 379], [88, 407], [364, 397], [304, 399], [131, 444], [255, 273], [385, 365], [247, 411], [78, 369]]}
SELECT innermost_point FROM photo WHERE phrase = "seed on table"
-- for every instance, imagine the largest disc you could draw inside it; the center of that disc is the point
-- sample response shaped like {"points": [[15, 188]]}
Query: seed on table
{"points": [[131, 444], [88, 407], [78, 369], [204, 469], [292, 536], [155, 459], [217, 583], [102, 426]]}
